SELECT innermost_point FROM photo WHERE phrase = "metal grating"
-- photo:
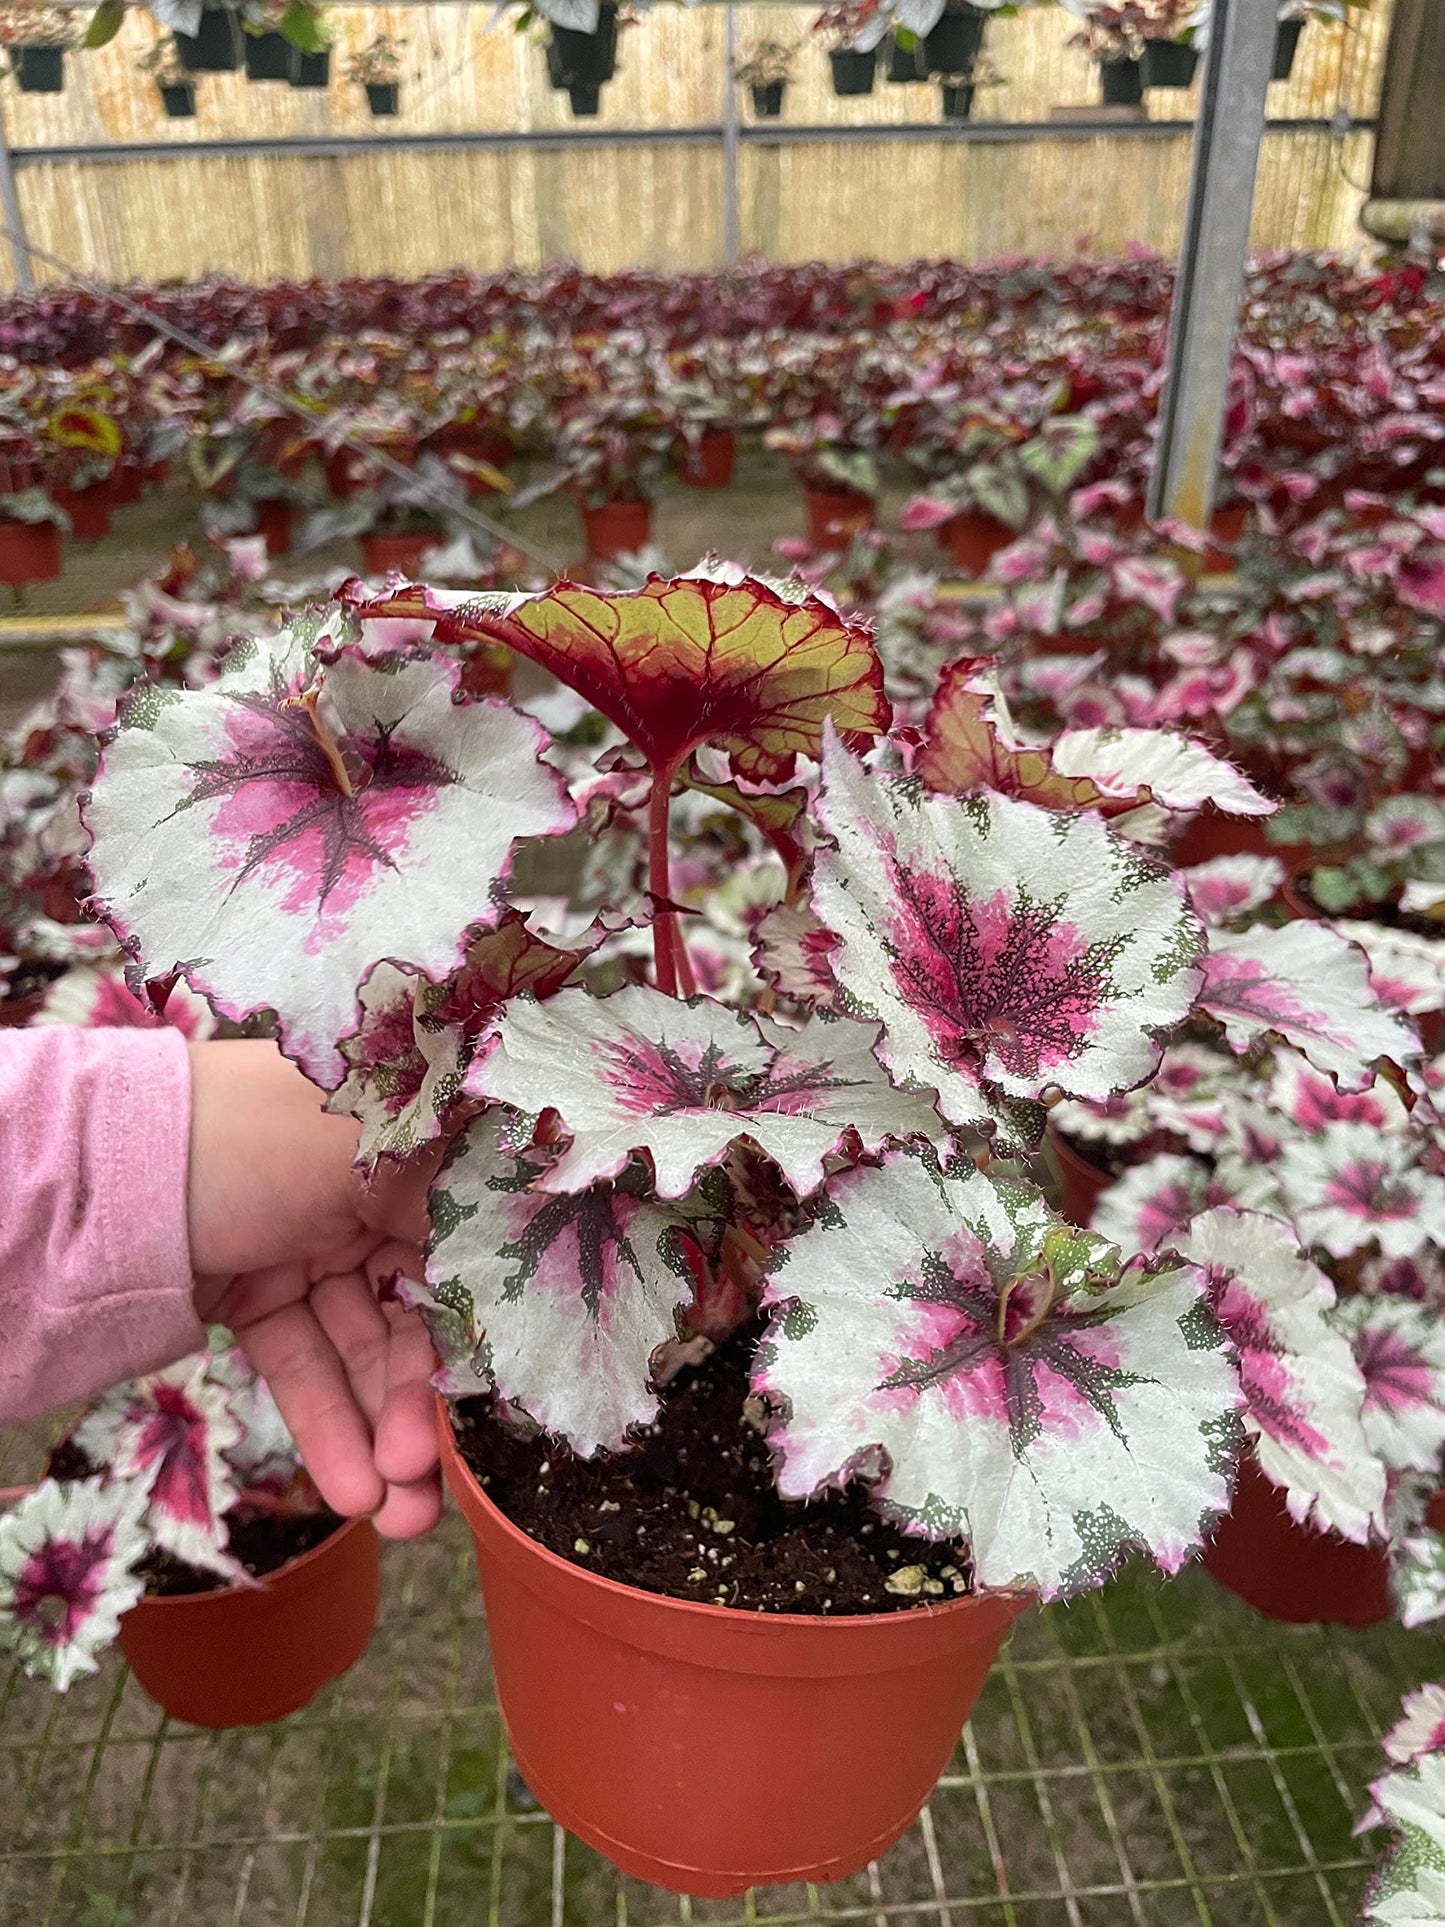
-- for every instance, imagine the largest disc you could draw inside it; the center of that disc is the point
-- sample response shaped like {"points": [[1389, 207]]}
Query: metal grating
{"points": [[1155, 1756]]}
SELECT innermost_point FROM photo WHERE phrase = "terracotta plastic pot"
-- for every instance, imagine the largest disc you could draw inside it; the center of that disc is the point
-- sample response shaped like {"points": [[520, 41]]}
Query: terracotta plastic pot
{"points": [[617, 528], [1226, 526], [974, 538], [1290, 1572], [125, 484], [246, 1655], [1081, 1182], [709, 1750], [709, 462], [346, 473], [274, 519], [835, 516], [406, 553], [29, 552], [88, 509]]}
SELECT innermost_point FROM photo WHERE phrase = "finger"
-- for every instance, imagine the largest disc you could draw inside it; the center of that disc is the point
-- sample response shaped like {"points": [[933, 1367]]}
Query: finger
{"points": [[292, 1352], [346, 1308], [406, 1435], [410, 1510]]}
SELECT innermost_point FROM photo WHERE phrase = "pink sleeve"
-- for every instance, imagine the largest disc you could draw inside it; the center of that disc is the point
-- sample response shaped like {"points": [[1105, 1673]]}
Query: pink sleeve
{"points": [[95, 1276]]}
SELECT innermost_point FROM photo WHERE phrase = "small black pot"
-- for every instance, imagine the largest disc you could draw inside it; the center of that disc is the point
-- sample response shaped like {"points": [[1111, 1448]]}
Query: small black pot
{"points": [[586, 58], [853, 72], [39, 70], [311, 70], [953, 45], [268, 56], [957, 101], [1286, 43], [768, 100], [383, 97], [1169, 63], [1123, 82], [215, 47], [180, 101], [586, 98], [904, 64]]}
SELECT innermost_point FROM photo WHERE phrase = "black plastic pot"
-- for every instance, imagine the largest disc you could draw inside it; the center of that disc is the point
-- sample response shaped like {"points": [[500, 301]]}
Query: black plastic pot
{"points": [[1286, 44], [215, 46], [1123, 82], [1169, 63], [268, 56], [179, 101], [957, 101], [768, 100], [39, 70], [585, 59], [953, 45], [383, 97], [586, 98], [311, 70], [904, 64], [853, 72]]}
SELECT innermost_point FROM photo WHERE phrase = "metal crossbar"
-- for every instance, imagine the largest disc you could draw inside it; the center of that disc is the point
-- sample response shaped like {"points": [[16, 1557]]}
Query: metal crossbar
{"points": [[1156, 1756]]}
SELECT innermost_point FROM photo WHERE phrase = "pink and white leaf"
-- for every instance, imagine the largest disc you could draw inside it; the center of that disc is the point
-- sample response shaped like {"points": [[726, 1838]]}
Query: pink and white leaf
{"points": [[949, 1337], [1407, 970], [1177, 771], [1304, 1394], [454, 1340], [1309, 986], [96, 996], [999, 943], [67, 1574], [1420, 1727], [1229, 887], [406, 1065], [1152, 1204], [172, 1433], [640, 1072], [792, 951], [569, 1294], [278, 833], [1352, 1187], [1312, 1101], [1399, 1347], [1408, 1888]]}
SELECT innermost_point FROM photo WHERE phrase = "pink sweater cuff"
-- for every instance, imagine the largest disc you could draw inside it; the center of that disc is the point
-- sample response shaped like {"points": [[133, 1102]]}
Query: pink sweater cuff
{"points": [[95, 1275]]}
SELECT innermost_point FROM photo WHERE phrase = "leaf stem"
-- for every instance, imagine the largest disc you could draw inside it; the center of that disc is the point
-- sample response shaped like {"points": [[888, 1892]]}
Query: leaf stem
{"points": [[327, 741], [659, 881]]}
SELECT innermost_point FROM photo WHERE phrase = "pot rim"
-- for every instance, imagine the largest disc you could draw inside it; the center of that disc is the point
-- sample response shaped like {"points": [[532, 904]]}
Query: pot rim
{"points": [[301, 1562], [699, 1611]]}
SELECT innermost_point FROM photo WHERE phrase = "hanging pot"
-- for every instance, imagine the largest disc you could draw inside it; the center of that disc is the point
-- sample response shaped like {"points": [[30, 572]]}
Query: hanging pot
{"points": [[617, 528], [268, 56], [29, 552], [39, 70], [957, 102], [310, 70], [246, 1655], [710, 460], [953, 45], [768, 100], [407, 554], [974, 537], [645, 1725], [853, 72], [215, 47], [586, 98], [1123, 82], [88, 509], [1286, 45], [1292, 1572], [179, 101], [586, 59], [904, 63], [835, 516], [1169, 63], [383, 98]]}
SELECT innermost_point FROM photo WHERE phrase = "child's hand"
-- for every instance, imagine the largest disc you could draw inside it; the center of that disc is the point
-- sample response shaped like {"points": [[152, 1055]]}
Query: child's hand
{"points": [[290, 1248]]}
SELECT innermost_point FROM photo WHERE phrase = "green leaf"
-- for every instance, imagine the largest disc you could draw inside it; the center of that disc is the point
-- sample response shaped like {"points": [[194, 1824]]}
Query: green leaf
{"points": [[301, 25], [1001, 492], [105, 23]]}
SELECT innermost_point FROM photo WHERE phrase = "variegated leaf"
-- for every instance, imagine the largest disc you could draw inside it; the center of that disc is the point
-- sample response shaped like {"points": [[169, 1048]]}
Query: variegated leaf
{"points": [[1150, 1206], [1229, 887], [1408, 1890], [68, 1555], [405, 1065], [1176, 771], [1400, 1350], [1353, 1186]]}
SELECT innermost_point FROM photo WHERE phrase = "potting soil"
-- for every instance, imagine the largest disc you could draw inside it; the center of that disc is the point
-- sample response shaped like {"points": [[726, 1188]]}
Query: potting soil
{"points": [[693, 1512]]}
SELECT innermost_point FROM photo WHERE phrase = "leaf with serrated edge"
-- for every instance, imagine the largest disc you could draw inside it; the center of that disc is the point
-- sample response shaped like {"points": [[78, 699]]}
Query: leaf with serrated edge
{"points": [[405, 1065], [791, 951], [1353, 1185], [998, 943], [640, 1072], [1152, 1202], [1303, 1390], [570, 1294], [1228, 887], [1310, 986], [1408, 1889], [68, 1558], [228, 843], [1407, 971], [1399, 1347], [1104, 1423], [1177, 772]]}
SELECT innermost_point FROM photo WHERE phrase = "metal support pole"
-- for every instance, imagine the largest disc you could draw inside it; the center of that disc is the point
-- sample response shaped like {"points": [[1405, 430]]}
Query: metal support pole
{"points": [[732, 237], [1208, 289], [14, 220]]}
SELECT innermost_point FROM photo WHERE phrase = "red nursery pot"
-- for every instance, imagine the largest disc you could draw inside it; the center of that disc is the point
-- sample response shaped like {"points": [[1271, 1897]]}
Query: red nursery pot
{"points": [[617, 528], [29, 552], [974, 538], [1226, 525], [246, 1655], [406, 553], [88, 509], [347, 473], [1292, 1572], [709, 1750], [709, 462], [125, 484], [835, 516], [1080, 1183], [275, 518]]}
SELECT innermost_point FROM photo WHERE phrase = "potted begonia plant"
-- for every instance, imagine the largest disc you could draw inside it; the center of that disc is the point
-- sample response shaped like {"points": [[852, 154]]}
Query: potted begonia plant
{"points": [[852, 33], [798, 1224], [175, 1521], [837, 466], [31, 526], [1119, 34], [612, 450], [990, 469], [766, 73], [377, 68]]}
